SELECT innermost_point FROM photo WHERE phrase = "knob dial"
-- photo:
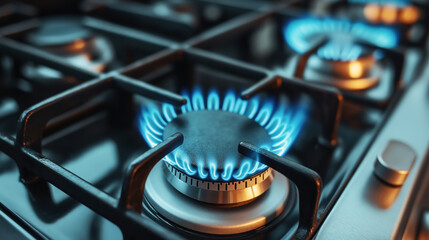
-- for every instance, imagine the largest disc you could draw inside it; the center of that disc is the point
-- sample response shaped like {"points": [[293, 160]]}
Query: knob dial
{"points": [[394, 163]]}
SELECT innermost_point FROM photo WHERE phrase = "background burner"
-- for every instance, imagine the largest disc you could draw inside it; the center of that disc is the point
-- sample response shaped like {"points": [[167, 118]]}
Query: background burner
{"points": [[300, 33], [66, 37], [57, 31], [345, 65], [378, 57], [349, 58]]}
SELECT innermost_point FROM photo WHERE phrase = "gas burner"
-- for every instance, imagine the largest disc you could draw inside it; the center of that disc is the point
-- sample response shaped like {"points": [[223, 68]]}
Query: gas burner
{"points": [[248, 163], [66, 37], [342, 61], [208, 167], [242, 194]]}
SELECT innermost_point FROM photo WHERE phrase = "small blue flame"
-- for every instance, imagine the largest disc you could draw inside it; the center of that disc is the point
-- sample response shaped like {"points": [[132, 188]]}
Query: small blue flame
{"points": [[398, 3], [299, 32], [282, 121], [340, 52]]}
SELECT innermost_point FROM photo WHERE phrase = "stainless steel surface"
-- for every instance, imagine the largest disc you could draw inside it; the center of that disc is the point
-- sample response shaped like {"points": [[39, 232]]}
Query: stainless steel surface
{"points": [[360, 214], [394, 162], [424, 226], [419, 206], [213, 219], [13, 229], [220, 192]]}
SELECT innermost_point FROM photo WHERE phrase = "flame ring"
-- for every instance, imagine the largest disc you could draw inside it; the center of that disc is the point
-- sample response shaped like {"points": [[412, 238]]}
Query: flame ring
{"points": [[282, 123], [298, 32]]}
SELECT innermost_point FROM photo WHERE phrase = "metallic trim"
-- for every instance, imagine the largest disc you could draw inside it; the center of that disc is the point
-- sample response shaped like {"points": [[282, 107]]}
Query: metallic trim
{"points": [[219, 192]]}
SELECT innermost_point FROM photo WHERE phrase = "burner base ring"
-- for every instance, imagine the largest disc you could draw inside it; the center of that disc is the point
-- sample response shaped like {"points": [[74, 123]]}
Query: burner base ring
{"points": [[211, 218], [221, 193]]}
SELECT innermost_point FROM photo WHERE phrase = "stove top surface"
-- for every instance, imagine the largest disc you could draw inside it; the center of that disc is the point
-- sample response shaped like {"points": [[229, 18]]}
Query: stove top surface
{"points": [[212, 119]]}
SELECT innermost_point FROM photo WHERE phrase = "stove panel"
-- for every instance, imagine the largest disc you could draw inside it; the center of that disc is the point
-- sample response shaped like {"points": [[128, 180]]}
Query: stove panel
{"points": [[205, 119]]}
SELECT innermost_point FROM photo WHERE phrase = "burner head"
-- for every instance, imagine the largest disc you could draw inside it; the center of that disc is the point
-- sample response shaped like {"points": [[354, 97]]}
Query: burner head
{"points": [[208, 167], [211, 139]]}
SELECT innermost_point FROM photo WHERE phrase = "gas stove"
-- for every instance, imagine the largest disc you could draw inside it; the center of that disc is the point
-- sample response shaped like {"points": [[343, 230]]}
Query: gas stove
{"points": [[202, 119]]}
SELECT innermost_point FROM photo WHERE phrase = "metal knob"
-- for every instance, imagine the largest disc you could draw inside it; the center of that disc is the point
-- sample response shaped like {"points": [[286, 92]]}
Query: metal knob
{"points": [[394, 163]]}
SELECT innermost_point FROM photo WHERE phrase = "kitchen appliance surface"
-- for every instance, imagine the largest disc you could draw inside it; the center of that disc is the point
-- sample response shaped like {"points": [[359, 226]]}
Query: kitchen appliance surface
{"points": [[214, 119]]}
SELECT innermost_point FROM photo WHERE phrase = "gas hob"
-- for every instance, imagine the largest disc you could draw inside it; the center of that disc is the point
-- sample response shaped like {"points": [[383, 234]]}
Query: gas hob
{"points": [[201, 119]]}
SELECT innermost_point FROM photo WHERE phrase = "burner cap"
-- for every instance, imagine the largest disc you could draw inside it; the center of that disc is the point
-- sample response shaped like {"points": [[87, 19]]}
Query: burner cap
{"points": [[58, 31], [211, 137]]}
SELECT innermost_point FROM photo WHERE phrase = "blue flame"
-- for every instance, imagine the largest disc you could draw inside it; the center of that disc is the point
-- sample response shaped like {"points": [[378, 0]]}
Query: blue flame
{"points": [[340, 52], [299, 32], [282, 121], [398, 3]]}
